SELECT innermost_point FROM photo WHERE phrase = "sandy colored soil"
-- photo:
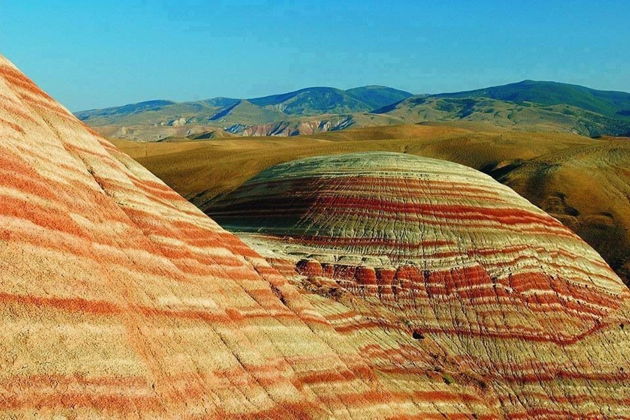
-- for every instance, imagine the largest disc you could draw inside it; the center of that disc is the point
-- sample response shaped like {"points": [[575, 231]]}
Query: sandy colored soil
{"points": [[200, 170], [120, 299], [588, 189]]}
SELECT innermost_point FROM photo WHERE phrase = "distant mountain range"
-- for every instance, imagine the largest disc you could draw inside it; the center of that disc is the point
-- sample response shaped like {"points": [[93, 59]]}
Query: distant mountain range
{"points": [[530, 105]]}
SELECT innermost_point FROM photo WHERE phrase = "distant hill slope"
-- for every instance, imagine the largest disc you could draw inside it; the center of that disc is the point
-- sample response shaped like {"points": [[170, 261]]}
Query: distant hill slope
{"points": [[528, 105], [376, 96], [610, 103], [156, 112], [313, 101], [305, 111], [308, 101], [324, 100]]}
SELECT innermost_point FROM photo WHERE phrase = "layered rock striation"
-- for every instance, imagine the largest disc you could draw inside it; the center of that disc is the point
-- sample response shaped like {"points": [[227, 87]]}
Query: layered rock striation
{"points": [[118, 298], [444, 253]]}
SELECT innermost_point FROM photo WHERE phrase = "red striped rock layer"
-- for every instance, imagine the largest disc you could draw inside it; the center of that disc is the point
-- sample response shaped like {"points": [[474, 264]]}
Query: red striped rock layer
{"points": [[119, 298], [442, 251]]}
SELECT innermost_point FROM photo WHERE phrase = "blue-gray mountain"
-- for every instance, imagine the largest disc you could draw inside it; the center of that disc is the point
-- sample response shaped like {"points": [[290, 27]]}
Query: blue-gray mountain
{"points": [[304, 102]]}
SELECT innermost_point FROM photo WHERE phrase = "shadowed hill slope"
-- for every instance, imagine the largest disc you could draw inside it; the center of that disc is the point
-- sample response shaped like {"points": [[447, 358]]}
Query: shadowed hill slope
{"points": [[378, 96], [588, 189], [312, 101], [448, 252], [118, 298]]}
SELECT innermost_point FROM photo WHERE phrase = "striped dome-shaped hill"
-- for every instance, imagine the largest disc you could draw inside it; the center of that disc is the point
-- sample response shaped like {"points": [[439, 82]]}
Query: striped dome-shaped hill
{"points": [[119, 299], [446, 252]]}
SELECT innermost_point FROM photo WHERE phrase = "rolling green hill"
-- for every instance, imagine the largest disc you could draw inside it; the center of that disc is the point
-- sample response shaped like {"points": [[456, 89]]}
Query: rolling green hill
{"points": [[304, 102], [305, 111], [313, 101], [609, 103], [527, 105], [376, 96], [156, 112]]}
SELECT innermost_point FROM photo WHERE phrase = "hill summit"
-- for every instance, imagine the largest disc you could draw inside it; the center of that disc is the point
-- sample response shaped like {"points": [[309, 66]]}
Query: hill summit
{"points": [[449, 253]]}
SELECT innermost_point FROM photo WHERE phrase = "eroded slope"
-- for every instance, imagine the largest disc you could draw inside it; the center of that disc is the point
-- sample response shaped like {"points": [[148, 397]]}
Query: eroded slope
{"points": [[119, 298], [446, 253]]}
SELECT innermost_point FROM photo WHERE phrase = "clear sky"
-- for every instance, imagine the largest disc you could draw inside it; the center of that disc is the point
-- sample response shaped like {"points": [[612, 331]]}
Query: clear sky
{"points": [[97, 53]]}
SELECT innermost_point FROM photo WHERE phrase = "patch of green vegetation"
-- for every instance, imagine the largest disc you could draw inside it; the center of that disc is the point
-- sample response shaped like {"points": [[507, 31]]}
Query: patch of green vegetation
{"points": [[445, 106], [378, 96], [448, 379]]}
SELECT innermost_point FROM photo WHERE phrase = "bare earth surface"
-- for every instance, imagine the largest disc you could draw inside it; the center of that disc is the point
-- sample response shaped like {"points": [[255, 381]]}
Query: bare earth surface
{"points": [[419, 244], [119, 298]]}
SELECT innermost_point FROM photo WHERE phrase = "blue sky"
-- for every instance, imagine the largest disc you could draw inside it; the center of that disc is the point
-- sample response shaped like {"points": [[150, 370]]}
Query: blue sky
{"points": [[92, 54]]}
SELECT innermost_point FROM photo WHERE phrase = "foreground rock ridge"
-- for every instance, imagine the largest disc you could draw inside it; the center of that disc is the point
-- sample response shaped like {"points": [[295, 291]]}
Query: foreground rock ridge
{"points": [[449, 256], [118, 298]]}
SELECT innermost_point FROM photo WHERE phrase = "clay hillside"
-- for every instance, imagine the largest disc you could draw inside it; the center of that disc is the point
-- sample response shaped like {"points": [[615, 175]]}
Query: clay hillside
{"points": [[119, 298], [411, 243]]}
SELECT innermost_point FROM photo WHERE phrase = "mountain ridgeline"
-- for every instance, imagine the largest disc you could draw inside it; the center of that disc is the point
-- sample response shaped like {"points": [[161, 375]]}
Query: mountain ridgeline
{"points": [[284, 114], [527, 105]]}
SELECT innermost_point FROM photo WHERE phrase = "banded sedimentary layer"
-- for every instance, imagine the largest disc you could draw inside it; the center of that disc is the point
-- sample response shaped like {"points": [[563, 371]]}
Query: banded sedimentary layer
{"points": [[118, 298], [447, 255]]}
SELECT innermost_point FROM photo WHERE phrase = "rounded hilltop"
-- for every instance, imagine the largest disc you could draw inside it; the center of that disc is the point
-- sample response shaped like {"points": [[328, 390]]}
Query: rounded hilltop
{"points": [[446, 253], [370, 218], [391, 209]]}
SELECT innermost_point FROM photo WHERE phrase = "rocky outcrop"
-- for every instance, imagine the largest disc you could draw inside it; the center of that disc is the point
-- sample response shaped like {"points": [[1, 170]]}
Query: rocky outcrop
{"points": [[294, 128], [446, 254], [181, 129], [118, 298]]}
